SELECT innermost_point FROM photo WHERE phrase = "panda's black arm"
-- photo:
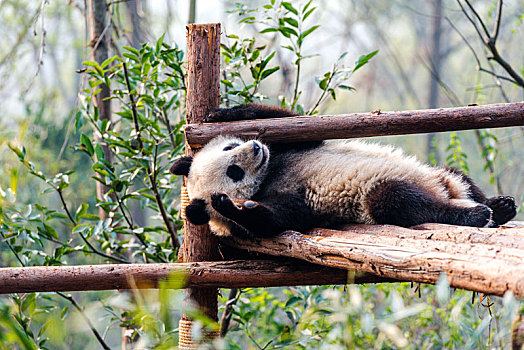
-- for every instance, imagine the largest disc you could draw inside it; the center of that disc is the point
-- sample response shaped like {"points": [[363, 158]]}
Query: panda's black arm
{"points": [[247, 112], [267, 217]]}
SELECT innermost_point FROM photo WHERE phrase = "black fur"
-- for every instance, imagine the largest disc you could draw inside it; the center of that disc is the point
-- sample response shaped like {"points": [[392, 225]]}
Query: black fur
{"points": [[268, 217], [247, 112], [402, 203], [235, 173], [475, 192], [396, 202], [257, 111], [181, 166], [504, 209], [196, 212]]}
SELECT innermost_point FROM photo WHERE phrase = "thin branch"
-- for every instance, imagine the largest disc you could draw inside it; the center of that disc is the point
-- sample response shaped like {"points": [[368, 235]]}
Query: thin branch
{"points": [[497, 75], [12, 250], [471, 20], [42, 44], [490, 42], [234, 295], [150, 172], [479, 66], [64, 205], [479, 19], [93, 249], [86, 319], [497, 22], [71, 300]]}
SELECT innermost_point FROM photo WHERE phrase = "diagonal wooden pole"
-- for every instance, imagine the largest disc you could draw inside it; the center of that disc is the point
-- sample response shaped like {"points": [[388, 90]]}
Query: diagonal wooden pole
{"points": [[203, 95]]}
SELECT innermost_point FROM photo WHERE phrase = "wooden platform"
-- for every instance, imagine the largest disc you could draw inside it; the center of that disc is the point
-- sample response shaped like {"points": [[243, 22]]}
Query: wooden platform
{"points": [[486, 260]]}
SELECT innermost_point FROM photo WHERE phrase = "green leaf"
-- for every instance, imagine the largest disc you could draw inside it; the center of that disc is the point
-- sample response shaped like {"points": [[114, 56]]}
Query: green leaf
{"points": [[287, 32], [87, 143], [82, 210], [99, 152], [308, 13], [51, 231], [18, 152], [289, 7], [108, 61], [227, 83], [362, 60], [308, 31], [291, 21], [131, 57], [268, 30], [93, 64], [29, 303], [268, 72], [132, 49], [91, 217], [345, 87], [159, 42], [333, 95]]}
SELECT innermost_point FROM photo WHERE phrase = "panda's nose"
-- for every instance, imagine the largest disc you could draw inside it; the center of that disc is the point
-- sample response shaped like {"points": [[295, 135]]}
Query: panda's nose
{"points": [[256, 148]]}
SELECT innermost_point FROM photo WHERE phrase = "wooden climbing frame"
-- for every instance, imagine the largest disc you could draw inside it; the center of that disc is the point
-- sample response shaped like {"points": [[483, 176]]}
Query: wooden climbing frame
{"points": [[490, 261]]}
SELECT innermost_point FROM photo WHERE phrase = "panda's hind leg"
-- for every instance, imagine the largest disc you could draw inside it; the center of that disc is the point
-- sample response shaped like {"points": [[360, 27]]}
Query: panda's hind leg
{"points": [[504, 207], [399, 202]]}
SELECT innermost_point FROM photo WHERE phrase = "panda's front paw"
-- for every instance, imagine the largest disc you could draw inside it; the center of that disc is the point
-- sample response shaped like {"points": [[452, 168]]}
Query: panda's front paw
{"points": [[214, 116], [223, 204]]}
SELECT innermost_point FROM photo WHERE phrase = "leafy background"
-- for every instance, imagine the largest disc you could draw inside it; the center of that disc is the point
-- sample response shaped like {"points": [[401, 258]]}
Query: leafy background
{"points": [[310, 56]]}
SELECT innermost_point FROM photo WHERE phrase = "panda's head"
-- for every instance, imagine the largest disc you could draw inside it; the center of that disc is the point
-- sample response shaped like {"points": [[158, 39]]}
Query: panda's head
{"points": [[226, 164]]}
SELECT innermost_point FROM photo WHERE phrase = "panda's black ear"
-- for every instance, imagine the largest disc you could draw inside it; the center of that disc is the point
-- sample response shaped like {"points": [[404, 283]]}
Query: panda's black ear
{"points": [[181, 166], [196, 212]]}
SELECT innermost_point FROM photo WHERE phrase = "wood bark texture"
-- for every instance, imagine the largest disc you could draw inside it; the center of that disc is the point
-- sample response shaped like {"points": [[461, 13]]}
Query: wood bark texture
{"points": [[323, 127], [221, 274], [485, 260], [203, 95], [99, 44]]}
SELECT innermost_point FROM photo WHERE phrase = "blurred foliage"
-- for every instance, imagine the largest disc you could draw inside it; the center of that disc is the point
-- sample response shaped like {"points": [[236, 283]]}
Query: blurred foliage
{"points": [[49, 214]]}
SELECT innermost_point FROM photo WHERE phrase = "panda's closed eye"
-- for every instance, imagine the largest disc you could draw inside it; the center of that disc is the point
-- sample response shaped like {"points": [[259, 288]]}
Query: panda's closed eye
{"points": [[235, 172], [231, 146]]}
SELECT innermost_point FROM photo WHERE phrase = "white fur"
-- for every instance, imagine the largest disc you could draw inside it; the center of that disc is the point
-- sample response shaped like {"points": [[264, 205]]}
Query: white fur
{"points": [[207, 174], [337, 177]]}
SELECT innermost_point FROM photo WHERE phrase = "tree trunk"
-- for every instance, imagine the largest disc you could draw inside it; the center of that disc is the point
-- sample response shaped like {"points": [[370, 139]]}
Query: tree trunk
{"points": [[99, 34], [203, 95], [435, 58]]}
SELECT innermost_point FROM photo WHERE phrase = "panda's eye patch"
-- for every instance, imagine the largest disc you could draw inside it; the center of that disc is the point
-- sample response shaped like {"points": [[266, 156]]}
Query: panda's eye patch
{"points": [[235, 172], [231, 146]]}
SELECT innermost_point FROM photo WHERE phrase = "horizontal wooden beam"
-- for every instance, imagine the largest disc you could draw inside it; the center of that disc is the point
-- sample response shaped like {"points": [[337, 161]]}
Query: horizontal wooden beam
{"points": [[485, 260], [323, 127], [223, 274]]}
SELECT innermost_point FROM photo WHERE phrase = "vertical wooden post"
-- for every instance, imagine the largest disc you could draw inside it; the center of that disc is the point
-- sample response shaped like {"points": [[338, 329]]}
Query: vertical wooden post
{"points": [[99, 43], [203, 95]]}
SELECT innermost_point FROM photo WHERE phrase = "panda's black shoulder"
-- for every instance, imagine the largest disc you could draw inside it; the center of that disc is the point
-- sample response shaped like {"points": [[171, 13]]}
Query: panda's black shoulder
{"points": [[248, 112], [252, 111]]}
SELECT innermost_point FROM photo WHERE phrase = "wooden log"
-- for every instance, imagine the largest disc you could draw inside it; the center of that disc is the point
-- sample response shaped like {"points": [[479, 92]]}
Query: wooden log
{"points": [[511, 237], [203, 95], [222, 274], [323, 127], [487, 267]]}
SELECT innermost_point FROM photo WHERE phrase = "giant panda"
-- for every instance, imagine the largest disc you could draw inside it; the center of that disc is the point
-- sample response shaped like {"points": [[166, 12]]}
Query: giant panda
{"points": [[249, 189]]}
